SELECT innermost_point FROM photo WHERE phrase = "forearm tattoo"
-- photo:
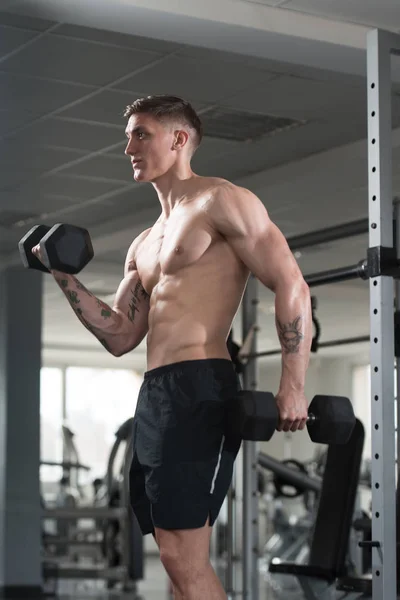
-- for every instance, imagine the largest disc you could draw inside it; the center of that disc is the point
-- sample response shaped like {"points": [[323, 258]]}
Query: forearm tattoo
{"points": [[290, 335], [137, 293], [74, 300]]}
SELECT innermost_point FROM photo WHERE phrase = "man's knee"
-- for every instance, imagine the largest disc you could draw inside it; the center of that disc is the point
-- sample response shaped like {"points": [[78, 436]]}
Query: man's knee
{"points": [[169, 557], [182, 565]]}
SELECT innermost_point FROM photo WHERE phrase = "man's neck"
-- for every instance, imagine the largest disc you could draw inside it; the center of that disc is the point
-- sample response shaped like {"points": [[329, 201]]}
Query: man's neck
{"points": [[173, 190]]}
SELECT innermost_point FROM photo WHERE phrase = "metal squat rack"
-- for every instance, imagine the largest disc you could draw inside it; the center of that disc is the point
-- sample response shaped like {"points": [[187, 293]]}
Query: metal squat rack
{"points": [[381, 268]]}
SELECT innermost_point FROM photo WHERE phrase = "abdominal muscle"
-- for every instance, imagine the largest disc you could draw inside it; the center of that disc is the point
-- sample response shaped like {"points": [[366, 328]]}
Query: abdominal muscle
{"points": [[191, 310]]}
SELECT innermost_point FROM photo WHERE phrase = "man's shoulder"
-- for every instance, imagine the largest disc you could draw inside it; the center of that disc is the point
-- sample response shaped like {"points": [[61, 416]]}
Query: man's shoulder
{"points": [[207, 189], [229, 203], [224, 204], [141, 237], [223, 191], [216, 184], [130, 261]]}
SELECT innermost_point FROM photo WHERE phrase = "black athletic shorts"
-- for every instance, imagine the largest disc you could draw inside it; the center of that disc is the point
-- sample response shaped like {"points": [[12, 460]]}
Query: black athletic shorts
{"points": [[182, 456]]}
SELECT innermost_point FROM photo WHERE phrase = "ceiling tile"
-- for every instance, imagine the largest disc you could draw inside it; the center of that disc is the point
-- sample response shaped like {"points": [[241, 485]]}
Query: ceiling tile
{"points": [[106, 107], [268, 67], [95, 215], [24, 22], [19, 165], [104, 166], [134, 200], [38, 202], [268, 2], [11, 39], [10, 216], [219, 56], [195, 80], [71, 134], [11, 120], [242, 125], [44, 96], [372, 12], [211, 147], [300, 98], [77, 61], [277, 149], [35, 158], [11, 178], [76, 189], [117, 39]]}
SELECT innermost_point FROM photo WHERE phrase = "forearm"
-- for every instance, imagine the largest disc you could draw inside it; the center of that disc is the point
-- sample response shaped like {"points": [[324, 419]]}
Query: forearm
{"points": [[99, 318], [294, 326]]}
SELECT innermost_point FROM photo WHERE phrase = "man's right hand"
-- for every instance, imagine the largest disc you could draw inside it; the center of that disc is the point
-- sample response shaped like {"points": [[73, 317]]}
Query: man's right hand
{"points": [[293, 410]]}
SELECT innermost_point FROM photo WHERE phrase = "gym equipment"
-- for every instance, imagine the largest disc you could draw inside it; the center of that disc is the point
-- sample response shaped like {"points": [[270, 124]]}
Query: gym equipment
{"points": [[285, 488], [291, 479], [317, 326], [331, 533], [29, 241], [121, 545], [116, 537], [58, 534], [255, 416], [289, 541], [383, 267], [65, 248], [290, 536], [287, 475]]}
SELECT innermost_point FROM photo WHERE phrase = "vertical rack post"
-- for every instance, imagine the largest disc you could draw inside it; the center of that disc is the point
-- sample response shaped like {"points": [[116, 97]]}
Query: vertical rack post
{"points": [[250, 501], [379, 48]]}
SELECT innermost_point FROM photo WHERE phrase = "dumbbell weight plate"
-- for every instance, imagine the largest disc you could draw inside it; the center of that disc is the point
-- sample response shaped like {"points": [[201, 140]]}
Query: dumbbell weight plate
{"points": [[334, 420], [253, 415], [66, 248], [25, 245]]}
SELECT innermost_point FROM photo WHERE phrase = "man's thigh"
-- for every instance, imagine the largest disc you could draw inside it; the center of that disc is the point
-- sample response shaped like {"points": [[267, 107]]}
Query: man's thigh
{"points": [[194, 544]]}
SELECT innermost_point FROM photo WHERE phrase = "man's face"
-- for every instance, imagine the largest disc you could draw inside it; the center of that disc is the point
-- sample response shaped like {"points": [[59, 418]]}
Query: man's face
{"points": [[150, 147]]}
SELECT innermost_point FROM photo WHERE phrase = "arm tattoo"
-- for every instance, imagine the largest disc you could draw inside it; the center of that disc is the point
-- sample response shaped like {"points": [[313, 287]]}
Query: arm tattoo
{"points": [[74, 298], [290, 335], [81, 287], [138, 292], [82, 319]]}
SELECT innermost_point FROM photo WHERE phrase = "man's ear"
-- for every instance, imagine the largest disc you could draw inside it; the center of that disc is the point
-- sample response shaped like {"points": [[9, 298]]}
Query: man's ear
{"points": [[181, 138]]}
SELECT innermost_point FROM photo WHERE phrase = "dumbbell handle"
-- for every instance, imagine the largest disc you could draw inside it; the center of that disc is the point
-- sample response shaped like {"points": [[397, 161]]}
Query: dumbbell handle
{"points": [[311, 418]]}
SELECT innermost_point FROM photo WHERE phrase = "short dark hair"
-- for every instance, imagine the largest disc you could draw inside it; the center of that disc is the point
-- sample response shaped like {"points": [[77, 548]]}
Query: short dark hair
{"points": [[168, 108]]}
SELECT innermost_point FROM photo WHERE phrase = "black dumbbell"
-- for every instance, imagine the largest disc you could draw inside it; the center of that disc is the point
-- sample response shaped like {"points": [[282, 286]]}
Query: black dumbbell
{"points": [[29, 241], [254, 416], [65, 248]]}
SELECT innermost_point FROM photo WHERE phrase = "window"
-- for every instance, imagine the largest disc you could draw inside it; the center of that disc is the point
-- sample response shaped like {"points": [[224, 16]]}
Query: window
{"points": [[98, 401], [51, 413]]}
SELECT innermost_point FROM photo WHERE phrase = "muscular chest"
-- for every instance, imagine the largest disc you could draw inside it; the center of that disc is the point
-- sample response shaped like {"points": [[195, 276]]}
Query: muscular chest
{"points": [[172, 246]]}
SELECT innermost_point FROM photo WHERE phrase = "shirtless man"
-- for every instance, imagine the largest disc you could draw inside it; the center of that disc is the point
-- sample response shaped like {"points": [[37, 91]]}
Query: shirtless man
{"points": [[183, 283]]}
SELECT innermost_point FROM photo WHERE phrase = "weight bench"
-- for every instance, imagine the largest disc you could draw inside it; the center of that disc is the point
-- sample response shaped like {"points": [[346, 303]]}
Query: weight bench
{"points": [[330, 539]]}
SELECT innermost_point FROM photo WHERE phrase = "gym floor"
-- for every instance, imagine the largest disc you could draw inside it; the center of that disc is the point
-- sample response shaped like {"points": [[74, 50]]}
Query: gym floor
{"points": [[155, 587]]}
